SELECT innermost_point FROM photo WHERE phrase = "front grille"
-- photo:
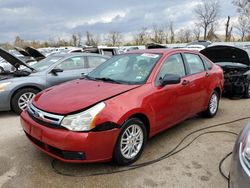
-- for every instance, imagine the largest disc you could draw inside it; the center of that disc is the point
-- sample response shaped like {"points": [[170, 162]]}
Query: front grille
{"points": [[44, 118]]}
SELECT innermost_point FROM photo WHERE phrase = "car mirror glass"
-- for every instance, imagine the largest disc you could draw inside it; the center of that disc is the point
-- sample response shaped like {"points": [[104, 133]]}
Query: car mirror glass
{"points": [[170, 79], [56, 70]]}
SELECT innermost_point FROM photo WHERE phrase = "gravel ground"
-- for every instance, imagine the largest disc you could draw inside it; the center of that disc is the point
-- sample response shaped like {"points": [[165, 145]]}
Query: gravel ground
{"points": [[22, 165]]}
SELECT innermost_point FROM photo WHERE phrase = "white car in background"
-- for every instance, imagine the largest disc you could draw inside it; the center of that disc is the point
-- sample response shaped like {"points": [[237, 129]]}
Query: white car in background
{"points": [[196, 47], [5, 66]]}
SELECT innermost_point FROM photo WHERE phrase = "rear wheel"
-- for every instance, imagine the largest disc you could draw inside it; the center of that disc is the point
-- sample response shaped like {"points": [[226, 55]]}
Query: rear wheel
{"points": [[21, 99], [1, 70], [213, 105], [131, 142]]}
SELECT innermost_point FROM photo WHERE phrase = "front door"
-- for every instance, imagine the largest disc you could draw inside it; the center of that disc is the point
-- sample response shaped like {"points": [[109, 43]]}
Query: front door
{"points": [[171, 103], [72, 68]]}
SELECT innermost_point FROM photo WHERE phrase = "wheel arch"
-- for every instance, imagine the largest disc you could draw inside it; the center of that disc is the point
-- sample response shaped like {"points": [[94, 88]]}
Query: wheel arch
{"points": [[20, 88], [144, 119], [218, 90]]}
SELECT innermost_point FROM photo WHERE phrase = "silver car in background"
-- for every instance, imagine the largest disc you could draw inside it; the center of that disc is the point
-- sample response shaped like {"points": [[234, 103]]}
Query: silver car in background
{"points": [[240, 166], [19, 87]]}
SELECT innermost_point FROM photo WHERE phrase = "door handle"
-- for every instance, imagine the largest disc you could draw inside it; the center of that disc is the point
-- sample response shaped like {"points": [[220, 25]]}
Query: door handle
{"points": [[207, 74], [185, 82]]}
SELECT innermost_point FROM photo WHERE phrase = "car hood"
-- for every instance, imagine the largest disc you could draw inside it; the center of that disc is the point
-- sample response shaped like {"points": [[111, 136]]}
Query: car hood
{"points": [[22, 51], [226, 54], [14, 61], [77, 95], [35, 53]]}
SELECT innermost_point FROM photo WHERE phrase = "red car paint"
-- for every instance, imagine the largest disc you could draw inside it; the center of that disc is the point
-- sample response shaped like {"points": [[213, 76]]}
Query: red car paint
{"points": [[163, 107]]}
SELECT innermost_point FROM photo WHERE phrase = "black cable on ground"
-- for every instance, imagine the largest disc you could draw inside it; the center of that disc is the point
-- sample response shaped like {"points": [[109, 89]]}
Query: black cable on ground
{"points": [[128, 168], [193, 132], [220, 166], [167, 155]]}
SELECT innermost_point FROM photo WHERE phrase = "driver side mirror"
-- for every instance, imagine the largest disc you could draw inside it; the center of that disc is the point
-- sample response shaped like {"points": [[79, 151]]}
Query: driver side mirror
{"points": [[55, 71], [170, 79]]}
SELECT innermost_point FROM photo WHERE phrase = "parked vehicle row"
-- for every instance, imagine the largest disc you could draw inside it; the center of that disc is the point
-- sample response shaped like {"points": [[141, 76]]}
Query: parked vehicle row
{"points": [[19, 87]]}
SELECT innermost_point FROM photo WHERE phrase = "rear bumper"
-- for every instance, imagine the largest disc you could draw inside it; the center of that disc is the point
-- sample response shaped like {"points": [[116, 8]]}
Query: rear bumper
{"points": [[65, 145]]}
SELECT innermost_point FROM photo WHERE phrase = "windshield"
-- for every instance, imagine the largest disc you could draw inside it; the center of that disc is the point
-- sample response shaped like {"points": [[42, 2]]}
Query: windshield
{"points": [[45, 63], [127, 68]]}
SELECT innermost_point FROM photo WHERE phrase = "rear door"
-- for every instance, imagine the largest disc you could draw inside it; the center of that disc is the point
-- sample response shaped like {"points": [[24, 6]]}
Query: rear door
{"points": [[198, 81], [73, 68]]}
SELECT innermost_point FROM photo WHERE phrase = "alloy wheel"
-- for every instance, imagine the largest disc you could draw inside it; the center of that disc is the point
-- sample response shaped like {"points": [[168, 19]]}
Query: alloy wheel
{"points": [[213, 105], [131, 141], [24, 99]]}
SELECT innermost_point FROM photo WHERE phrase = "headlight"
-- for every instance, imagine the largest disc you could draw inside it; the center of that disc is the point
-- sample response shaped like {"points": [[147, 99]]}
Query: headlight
{"points": [[82, 121], [3, 86], [244, 154]]}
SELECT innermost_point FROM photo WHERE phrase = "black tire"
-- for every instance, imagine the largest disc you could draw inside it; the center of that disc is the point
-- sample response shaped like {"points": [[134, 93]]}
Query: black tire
{"points": [[1, 70], [209, 112], [247, 93], [17, 96], [118, 157]]}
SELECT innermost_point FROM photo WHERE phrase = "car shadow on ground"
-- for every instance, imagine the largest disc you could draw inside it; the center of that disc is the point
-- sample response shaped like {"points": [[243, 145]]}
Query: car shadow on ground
{"points": [[8, 114]]}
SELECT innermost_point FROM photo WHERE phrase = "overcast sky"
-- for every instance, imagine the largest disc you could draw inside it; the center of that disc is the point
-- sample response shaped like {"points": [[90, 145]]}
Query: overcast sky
{"points": [[44, 19]]}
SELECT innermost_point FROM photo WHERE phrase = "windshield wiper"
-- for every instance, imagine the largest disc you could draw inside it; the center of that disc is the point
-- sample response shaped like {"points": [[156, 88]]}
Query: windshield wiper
{"points": [[101, 79], [87, 77], [108, 80]]}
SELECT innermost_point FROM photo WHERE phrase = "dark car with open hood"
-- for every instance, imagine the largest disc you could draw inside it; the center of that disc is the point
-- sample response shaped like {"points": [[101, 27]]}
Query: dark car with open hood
{"points": [[112, 111], [235, 63]]}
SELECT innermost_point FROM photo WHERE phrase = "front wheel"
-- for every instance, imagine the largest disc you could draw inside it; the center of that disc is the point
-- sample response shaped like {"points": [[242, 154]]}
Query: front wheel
{"points": [[213, 105], [21, 99], [131, 142]]}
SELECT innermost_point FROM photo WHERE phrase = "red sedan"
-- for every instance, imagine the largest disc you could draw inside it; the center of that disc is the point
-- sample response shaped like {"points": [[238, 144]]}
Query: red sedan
{"points": [[115, 109]]}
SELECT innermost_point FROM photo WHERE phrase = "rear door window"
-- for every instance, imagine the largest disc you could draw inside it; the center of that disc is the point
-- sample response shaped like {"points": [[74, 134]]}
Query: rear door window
{"points": [[194, 63], [95, 61], [208, 65]]}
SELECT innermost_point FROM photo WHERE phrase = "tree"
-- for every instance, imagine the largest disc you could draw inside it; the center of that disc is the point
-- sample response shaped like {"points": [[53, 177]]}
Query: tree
{"points": [[207, 14], [79, 39], [243, 7], [19, 42], [172, 33], [197, 32], [91, 39], [211, 35], [114, 38], [158, 34], [74, 40], [229, 30], [141, 37], [185, 35], [243, 26]]}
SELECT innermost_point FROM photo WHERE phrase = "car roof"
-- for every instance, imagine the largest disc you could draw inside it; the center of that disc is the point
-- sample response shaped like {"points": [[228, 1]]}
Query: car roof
{"points": [[162, 51]]}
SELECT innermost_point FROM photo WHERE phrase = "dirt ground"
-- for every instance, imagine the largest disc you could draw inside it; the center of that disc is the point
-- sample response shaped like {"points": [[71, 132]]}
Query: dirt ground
{"points": [[22, 165]]}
